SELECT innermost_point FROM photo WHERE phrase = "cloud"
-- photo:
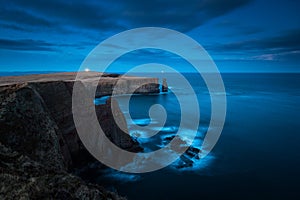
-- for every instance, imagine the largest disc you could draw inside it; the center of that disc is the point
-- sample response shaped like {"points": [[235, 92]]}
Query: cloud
{"points": [[238, 28], [21, 17], [13, 27], [116, 15], [285, 44], [30, 45], [287, 56], [289, 40], [177, 14]]}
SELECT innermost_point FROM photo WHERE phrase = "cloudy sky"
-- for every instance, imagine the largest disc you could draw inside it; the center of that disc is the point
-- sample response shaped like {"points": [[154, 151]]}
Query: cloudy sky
{"points": [[240, 35]]}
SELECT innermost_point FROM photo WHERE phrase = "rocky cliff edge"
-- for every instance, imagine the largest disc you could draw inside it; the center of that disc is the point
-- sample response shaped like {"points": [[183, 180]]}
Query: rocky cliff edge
{"points": [[39, 145]]}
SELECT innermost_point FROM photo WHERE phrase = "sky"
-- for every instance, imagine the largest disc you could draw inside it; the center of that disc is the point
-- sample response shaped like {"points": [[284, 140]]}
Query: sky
{"points": [[239, 35]]}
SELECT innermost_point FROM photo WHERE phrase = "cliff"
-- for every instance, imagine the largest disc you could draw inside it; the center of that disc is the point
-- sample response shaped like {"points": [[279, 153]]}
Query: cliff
{"points": [[39, 144], [126, 84]]}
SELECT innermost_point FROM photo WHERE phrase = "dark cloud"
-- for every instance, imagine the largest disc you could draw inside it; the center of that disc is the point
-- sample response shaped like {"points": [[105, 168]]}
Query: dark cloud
{"points": [[238, 29], [99, 15], [249, 30], [39, 45], [287, 41], [29, 45], [70, 14], [177, 14], [283, 46], [21, 17], [13, 27]]}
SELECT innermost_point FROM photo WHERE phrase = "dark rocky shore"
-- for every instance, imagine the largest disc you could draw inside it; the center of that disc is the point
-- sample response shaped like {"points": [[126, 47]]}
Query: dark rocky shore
{"points": [[39, 145]]}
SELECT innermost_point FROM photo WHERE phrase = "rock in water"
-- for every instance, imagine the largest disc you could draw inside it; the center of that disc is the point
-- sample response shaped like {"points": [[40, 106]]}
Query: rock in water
{"points": [[165, 85]]}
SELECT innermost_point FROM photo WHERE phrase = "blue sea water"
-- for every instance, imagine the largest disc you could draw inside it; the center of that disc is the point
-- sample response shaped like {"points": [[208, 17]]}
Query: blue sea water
{"points": [[256, 157]]}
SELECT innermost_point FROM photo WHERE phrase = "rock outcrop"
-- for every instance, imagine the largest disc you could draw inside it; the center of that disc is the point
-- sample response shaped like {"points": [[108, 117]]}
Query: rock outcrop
{"points": [[39, 144], [165, 85], [23, 178]]}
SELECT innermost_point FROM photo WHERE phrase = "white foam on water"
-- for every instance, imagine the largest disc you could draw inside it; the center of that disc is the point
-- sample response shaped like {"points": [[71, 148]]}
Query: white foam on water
{"points": [[198, 164], [120, 176], [144, 121], [142, 161], [101, 100], [167, 129], [140, 136]]}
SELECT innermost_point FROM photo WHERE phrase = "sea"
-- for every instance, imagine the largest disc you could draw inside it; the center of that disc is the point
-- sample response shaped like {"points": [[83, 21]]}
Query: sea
{"points": [[256, 157]]}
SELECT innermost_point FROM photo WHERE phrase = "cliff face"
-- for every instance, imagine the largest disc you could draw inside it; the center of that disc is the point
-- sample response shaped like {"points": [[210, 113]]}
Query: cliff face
{"points": [[24, 178], [34, 154], [27, 127], [39, 142]]}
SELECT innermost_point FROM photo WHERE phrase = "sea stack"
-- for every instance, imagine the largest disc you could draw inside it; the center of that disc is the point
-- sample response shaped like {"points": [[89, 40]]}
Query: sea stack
{"points": [[165, 85]]}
